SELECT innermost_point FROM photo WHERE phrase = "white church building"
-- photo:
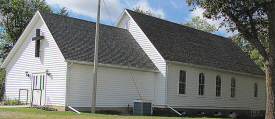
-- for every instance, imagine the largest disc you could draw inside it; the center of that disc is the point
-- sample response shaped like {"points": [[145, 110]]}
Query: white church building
{"points": [[141, 57]]}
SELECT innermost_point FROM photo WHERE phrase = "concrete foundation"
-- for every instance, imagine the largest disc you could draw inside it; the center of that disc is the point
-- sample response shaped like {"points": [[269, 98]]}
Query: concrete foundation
{"points": [[223, 113], [186, 112], [121, 110]]}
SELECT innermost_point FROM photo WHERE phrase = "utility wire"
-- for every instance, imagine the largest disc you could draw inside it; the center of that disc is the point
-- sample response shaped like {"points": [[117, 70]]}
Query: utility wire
{"points": [[108, 12]]}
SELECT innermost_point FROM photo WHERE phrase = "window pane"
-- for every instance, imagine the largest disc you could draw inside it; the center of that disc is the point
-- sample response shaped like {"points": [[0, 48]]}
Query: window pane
{"points": [[201, 84], [233, 82], [33, 81], [43, 82], [182, 76], [182, 82], [202, 90], [183, 89], [218, 86], [40, 82], [180, 87], [255, 90], [233, 92], [233, 87]]}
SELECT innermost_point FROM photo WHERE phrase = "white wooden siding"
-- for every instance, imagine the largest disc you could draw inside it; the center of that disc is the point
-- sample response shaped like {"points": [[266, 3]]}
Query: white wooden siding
{"points": [[24, 60], [115, 87], [244, 90], [153, 54]]}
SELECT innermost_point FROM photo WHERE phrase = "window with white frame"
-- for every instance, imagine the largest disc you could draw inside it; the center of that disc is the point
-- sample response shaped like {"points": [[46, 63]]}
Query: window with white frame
{"points": [[182, 82], [218, 86], [255, 90], [201, 84], [233, 87]]}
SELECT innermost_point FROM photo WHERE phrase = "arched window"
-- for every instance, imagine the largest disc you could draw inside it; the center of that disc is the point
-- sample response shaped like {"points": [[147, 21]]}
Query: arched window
{"points": [[255, 90], [218, 86], [233, 87], [182, 82], [201, 84]]}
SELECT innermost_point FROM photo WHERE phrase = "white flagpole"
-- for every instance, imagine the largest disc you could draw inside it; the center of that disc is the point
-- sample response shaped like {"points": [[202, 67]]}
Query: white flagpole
{"points": [[95, 60]]}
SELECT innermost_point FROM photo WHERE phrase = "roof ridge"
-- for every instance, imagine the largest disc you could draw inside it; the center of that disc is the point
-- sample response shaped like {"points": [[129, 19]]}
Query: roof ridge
{"points": [[178, 24], [75, 39], [78, 19]]}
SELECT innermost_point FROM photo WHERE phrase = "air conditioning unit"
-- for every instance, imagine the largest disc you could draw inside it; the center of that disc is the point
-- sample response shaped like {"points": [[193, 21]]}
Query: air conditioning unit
{"points": [[142, 107]]}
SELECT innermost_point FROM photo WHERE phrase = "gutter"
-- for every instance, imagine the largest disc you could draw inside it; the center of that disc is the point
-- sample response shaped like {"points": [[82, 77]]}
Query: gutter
{"points": [[199, 66], [111, 66]]}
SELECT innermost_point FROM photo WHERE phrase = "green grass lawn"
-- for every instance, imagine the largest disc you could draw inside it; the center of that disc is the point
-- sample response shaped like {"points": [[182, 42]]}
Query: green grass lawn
{"points": [[27, 113]]}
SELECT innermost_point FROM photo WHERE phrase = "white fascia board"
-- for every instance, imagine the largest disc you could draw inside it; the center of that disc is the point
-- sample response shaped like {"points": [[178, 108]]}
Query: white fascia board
{"points": [[110, 65], [199, 66], [120, 17], [21, 39], [153, 46]]}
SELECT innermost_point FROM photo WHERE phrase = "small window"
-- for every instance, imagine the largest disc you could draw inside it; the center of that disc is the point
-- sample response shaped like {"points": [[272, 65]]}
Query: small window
{"points": [[233, 87], [255, 90], [182, 82], [127, 25], [218, 86], [201, 84]]}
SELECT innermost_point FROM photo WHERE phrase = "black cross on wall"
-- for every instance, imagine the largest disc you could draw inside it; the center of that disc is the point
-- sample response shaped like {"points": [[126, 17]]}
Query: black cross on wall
{"points": [[37, 42]]}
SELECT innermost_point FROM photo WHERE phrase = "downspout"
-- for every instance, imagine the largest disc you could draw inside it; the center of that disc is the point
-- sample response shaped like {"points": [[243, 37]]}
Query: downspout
{"points": [[68, 89], [166, 86], [68, 82]]}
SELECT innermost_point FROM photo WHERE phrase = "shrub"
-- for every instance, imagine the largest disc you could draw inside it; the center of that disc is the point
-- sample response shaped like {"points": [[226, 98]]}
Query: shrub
{"points": [[46, 108], [6, 101]]}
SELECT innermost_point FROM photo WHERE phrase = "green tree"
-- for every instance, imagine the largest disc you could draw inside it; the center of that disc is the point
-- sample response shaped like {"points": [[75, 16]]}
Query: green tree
{"points": [[63, 11], [148, 12], [2, 87], [254, 20], [201, 24], [249, 49], [16, 14]]}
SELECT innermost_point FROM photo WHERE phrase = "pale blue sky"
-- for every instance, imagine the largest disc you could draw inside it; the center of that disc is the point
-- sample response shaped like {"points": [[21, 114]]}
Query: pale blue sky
{"points": [[172, 10]]}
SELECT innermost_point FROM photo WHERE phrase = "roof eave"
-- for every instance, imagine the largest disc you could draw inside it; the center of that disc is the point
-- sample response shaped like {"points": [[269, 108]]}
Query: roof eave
{"points": [[120, 17], [199, 66], [111, 66]]}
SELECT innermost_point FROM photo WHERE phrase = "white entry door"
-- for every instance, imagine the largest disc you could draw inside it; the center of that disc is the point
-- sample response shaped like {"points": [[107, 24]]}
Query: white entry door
{"points": [[38, 89]]}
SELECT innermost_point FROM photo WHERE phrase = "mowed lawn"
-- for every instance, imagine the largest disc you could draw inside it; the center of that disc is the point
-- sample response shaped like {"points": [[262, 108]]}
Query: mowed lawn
{"points": [[30, 113]]}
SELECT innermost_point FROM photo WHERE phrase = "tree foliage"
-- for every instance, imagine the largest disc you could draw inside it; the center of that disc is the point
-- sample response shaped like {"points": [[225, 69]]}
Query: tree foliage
{"points": [[15, 16], [63, 11], [201, 24], [248, 48], [254, 20], [2, 87], [147, 12]]}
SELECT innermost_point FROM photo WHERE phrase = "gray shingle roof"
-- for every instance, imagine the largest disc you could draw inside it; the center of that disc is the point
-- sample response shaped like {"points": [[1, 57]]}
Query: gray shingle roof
{"points": [[187, 45], [75, 39]]}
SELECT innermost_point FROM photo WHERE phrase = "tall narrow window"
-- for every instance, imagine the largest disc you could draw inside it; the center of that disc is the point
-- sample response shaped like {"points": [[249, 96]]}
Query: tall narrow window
{"points": [[218, 86], [233, 87], [182, 82], [255, 90], [201, 84]]}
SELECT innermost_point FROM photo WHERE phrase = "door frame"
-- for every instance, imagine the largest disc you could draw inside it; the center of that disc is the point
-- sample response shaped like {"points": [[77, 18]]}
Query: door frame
{"points": [[42, 90]]}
